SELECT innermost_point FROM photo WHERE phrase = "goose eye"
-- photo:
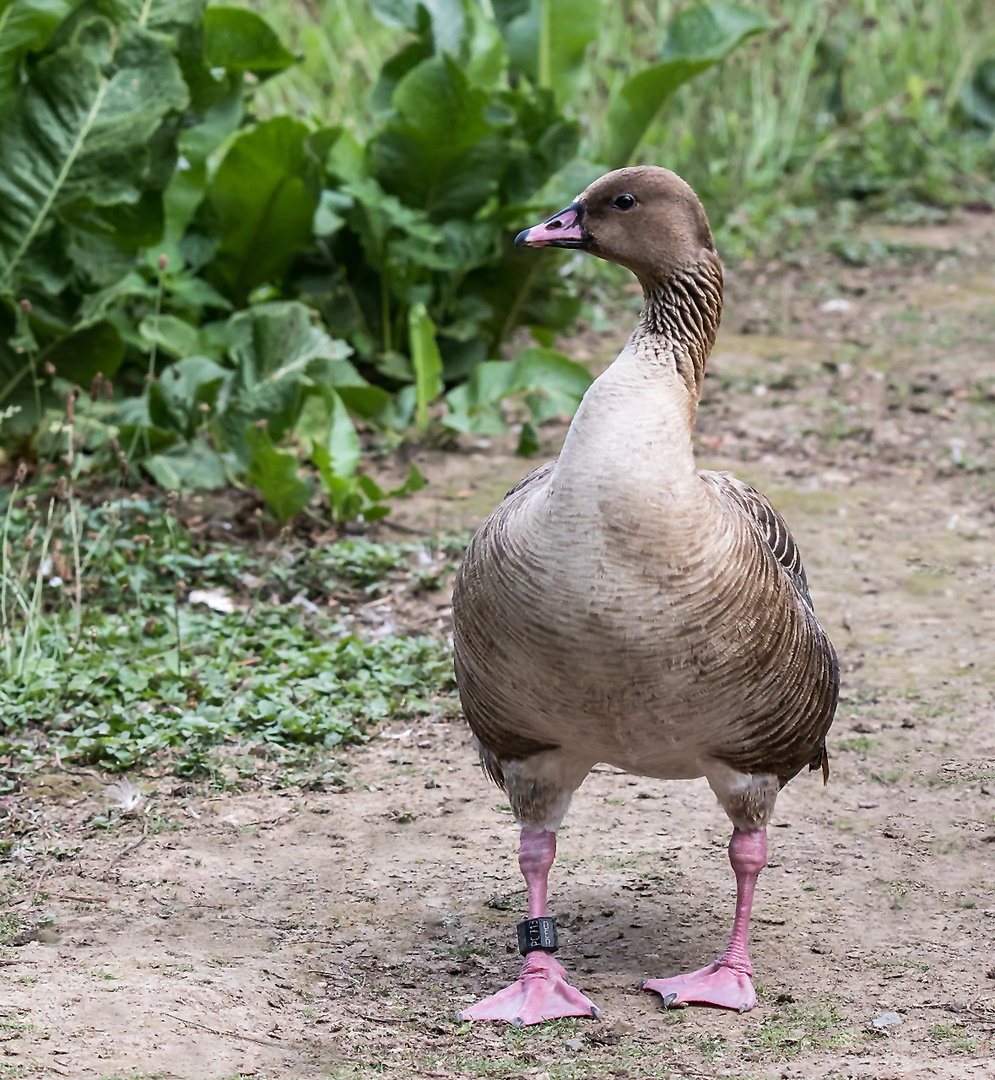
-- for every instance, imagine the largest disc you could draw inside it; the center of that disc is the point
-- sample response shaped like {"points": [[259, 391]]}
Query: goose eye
{"points": [[624, 202]]}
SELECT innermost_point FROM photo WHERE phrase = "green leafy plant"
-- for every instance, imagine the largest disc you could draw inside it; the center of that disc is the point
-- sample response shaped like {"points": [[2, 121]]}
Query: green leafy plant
{"points": [[187, 644], [249, 284], [697, 38]]}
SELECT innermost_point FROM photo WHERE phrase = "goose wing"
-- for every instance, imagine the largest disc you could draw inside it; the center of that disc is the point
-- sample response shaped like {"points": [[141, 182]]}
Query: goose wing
{"points": [[497, 743], [770, 527], [773, 534]]}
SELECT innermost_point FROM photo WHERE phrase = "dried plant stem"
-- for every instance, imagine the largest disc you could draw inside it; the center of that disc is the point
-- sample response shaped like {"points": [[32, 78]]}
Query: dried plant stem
{"points": [[73, 525], [5, 634], [149, 378], [36, 384], [34, 610]]}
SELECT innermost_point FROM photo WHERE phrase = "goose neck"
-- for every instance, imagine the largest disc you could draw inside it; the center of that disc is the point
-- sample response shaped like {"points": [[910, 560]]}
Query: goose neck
{"points": [[681, 317]]}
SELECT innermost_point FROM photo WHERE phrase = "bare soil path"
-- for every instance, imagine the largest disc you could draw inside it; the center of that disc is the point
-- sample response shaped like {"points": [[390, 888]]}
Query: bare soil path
{"points": [[293, 933]]}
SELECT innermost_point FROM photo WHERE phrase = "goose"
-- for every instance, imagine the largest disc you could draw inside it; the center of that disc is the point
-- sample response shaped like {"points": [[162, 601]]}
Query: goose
{"points": [[620, 606]]}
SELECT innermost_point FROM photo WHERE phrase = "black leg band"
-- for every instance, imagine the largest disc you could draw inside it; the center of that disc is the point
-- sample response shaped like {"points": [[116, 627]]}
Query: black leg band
{"points": [[537, 934]]}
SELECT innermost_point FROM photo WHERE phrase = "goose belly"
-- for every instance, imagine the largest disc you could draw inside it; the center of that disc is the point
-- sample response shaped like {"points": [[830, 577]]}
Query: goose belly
{"points": [[653, 665]]}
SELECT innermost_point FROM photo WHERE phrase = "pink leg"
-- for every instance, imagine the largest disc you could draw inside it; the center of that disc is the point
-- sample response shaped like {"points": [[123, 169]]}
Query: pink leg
{"points": [[726, 982], [541, 992]]}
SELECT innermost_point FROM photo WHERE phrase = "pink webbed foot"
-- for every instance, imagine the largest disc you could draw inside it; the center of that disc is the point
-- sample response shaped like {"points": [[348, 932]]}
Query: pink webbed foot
{"points": [[718, 984], [540, 993]]}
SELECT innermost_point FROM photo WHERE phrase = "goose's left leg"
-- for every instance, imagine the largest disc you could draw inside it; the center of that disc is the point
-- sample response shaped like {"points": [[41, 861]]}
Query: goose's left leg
{"points": [[726, 982]]}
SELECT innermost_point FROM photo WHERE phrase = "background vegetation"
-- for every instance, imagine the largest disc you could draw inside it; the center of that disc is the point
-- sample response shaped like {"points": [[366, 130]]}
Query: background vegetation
{"points": [[272, 238], [888, 104]]}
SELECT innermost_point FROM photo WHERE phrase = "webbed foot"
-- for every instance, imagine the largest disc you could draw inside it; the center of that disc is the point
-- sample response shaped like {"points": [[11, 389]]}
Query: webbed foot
{"points": [[718, 984], [540, 993]]}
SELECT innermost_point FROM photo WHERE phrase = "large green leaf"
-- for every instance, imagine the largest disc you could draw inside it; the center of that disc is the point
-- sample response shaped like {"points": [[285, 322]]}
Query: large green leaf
{"points": [[551, 382], [263, 199], [341, 440], [26, 26], [440, 153], [171, 333], [278, 355], [547, 39], [81, 129], [446, 19], [697, 37], [188, 467], [279, 340], [547, 370], [169, 17], [97, 305], [76, 357], [176, 396], [241, 40], [474, 404], [103, 242], [275, 474]]}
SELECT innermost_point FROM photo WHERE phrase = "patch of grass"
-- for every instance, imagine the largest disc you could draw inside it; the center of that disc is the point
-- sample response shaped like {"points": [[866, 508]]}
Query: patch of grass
{"points": [[903, 962], [14, 1021], [158, 1075], [712, 1047], [541, 1050], [861, 744], [10, 926], [794, 1028], [138, 668], [464, 952], [954, 1037], [618, 862]]}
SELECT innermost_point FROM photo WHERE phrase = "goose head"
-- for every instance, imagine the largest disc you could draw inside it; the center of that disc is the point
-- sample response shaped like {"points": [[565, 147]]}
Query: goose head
{"points": [[650, 221], [644, 218]]}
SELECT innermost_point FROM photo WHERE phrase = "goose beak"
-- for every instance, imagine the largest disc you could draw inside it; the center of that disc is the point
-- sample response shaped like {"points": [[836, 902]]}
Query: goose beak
{"points": [[561, 230]]}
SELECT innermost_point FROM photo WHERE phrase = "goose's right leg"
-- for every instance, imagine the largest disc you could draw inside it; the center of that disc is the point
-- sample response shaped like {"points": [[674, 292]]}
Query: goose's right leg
{"points": [[539, 789], [541, 991]]}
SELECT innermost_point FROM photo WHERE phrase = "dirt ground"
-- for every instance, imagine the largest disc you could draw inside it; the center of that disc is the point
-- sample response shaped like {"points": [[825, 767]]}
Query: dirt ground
{"points": [[295, 933]]}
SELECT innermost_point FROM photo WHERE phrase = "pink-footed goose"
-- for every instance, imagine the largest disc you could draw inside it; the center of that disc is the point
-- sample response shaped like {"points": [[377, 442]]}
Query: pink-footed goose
{"points": [[619, 606]]}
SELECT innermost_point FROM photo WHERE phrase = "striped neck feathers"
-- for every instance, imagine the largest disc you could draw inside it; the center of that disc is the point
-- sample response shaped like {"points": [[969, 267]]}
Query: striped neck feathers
{"points": [[681, 317]]}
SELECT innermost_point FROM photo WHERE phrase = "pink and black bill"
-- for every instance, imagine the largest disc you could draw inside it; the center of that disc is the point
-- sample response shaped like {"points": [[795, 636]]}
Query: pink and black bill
{"points": [[564, 229]]}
